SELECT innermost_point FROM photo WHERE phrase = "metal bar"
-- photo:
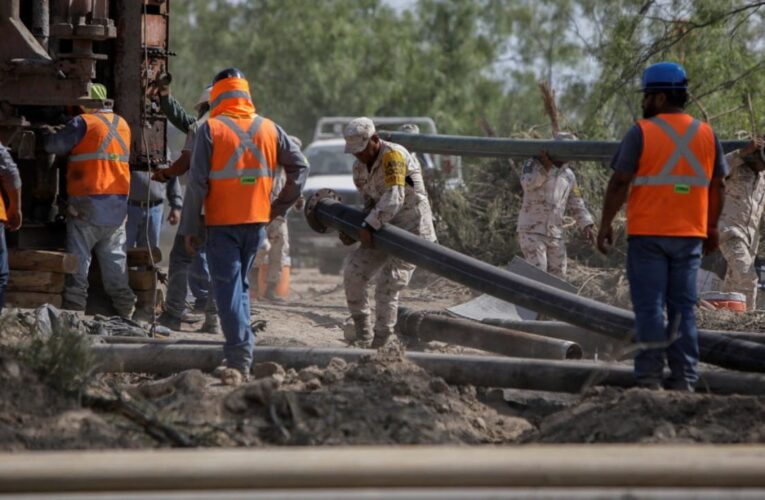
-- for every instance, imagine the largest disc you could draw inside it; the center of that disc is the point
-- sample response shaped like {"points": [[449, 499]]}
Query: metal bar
{"points": [[481, 371], [514, 148], [41, 21], [428, 326], [324, 211]]}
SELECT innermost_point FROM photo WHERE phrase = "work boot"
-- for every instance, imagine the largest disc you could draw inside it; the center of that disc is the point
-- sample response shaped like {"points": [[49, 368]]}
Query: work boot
{"points": [[678, 385], [211, 325], [380, 339], [362, 329], [168, 320], [127, 314], [190, 317]]}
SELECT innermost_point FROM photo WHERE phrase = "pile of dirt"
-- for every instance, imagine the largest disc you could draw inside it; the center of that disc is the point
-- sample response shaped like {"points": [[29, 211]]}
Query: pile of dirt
{"points": [[722, 319], [382, 399], [35, 416], [609, 415]]}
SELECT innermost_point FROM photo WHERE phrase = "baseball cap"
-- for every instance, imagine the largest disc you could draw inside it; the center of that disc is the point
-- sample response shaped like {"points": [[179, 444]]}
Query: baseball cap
{"points": [[357, 134]]}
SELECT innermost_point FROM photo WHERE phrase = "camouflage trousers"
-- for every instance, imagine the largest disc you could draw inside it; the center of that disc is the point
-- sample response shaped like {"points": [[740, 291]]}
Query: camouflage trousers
{"points": [[275, 249], [544, 252], [393, 275], [741, 275]]}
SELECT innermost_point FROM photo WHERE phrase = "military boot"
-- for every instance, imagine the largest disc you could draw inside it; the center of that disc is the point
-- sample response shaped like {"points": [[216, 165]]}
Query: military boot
{"points": [[363, 329]]}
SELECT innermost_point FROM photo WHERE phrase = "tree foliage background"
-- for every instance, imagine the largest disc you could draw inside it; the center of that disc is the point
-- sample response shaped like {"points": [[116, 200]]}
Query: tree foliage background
{"points": [[473, 65]]}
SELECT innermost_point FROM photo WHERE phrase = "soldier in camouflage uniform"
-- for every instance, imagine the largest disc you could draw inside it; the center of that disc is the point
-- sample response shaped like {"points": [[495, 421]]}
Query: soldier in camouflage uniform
{"points": [[275, 249], [390, 181], [740, 219], [548, 189]]}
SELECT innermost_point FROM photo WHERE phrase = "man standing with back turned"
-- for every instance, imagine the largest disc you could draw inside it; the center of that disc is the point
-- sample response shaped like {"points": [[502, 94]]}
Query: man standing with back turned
{"points": [[675, 167], [233, 163]]}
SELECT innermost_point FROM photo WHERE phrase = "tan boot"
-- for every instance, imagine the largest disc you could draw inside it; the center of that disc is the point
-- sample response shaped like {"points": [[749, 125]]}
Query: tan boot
{"points": [[363, 330]]}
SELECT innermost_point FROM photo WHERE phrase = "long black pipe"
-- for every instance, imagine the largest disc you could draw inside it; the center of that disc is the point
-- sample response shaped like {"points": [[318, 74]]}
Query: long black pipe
{"points": [[514, 148], [481, 371], [324, 211], [427, 326]]}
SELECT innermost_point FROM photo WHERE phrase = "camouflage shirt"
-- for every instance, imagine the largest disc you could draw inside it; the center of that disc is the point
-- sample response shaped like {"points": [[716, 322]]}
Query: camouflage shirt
{"points": [[394, 192], [546, 195], [744, 201]]}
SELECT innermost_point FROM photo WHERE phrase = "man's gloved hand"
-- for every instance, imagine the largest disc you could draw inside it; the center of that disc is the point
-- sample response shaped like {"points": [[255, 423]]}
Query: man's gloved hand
{"points": [[590, 234], [347, 240], [300, 204], [757, 144]]}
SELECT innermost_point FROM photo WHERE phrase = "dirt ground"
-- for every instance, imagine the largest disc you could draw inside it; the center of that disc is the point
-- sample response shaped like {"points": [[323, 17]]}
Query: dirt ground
{"points": [[382, 399]]}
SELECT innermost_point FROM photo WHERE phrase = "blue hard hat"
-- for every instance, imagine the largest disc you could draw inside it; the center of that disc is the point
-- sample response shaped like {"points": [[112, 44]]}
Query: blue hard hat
{"points": [[664, 76]]}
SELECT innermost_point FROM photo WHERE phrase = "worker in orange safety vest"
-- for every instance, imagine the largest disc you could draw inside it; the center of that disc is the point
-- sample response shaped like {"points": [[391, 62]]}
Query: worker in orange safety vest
{"points": [[233, 162], [97, 143], [670, 170]]}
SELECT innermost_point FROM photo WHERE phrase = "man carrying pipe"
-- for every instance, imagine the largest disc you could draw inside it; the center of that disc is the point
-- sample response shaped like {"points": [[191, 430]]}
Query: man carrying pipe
{"points": [[390, 181], [549, 188], [740, 219], [670, 170]]}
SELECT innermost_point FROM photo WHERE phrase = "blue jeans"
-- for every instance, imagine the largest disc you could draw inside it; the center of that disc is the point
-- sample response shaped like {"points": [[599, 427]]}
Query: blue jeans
{"points": [[231, 251], [199, 279], [136, 226], [3, 266], [108, 243], [179, 276], [662, 275]]}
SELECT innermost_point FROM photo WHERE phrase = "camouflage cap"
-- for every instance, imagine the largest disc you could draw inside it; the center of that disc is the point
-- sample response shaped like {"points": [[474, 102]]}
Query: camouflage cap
{"points": [[357, 134], [410, 128]]}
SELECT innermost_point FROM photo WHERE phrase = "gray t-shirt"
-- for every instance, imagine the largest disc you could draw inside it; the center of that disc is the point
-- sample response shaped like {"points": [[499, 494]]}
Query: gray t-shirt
{"points": [[630, 149]]}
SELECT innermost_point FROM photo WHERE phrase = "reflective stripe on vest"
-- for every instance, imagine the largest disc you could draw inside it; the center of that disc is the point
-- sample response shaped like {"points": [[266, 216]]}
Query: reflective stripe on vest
{"points": [[245, 144], [665, 177], [230, 94], [101, 154]]}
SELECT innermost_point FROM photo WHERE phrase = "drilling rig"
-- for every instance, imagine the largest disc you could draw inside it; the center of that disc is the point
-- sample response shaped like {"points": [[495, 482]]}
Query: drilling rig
{"points": [[51, 52]]}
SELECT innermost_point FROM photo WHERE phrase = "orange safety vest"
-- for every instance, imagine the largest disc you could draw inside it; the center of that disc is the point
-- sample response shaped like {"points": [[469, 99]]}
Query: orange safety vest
{"points": [[243, 160], [242, 167], [99, 163], [670, 192]]}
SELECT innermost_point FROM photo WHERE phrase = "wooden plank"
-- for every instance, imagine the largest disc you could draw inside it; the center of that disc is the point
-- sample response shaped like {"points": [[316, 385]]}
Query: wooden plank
{"points": [[32, 300], [140, 257], [142, 279], [42, 260], [36, 281]]}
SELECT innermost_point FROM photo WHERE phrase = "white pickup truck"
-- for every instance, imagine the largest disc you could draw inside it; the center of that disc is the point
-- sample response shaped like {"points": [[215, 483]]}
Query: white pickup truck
{"points": [[332, 168]]}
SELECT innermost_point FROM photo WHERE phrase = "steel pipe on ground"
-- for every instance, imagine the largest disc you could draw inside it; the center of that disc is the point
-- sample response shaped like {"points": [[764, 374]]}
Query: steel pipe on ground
{"points": [[429, 326], [514, 148], [324, 211], [590, 341], [482, 371], [94, 474]]}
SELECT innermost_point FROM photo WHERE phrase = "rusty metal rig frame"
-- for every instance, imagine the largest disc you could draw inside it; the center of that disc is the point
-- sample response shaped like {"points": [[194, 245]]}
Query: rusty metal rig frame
{"points": [[52, 51]]}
